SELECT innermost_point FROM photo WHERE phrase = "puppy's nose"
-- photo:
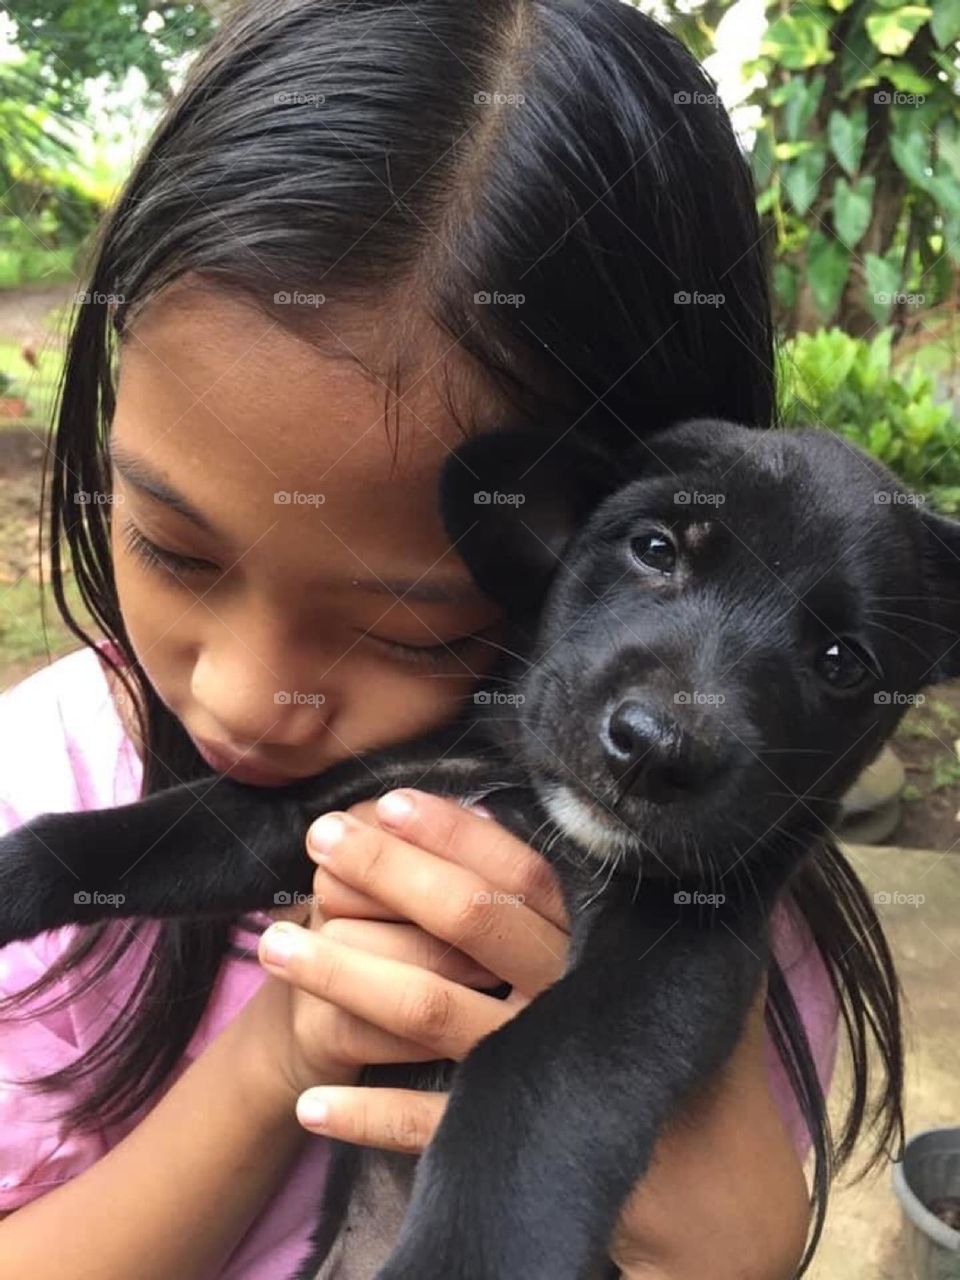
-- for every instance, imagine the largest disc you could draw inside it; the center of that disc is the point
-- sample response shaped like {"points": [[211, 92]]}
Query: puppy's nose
{"points": [[648, 751]]}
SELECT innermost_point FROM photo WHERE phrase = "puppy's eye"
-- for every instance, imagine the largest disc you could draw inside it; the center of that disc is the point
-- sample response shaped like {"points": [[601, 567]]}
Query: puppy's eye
{"points": [[845, 664], [655, 551]]}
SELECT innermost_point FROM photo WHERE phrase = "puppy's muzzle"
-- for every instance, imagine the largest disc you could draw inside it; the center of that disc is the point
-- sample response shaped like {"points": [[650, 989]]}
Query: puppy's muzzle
{"points": [[653, 757]]}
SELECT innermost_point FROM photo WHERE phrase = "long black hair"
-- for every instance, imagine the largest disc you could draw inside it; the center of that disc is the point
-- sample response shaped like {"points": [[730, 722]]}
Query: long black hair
{"points": [[555, 184]]}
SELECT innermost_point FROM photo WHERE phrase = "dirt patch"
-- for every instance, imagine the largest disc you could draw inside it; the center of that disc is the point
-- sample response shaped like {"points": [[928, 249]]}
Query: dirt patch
{"points": [[926, 743], [22, 454], [24, 312]]}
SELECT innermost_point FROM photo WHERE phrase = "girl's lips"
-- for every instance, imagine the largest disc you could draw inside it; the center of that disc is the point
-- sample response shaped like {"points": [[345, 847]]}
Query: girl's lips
{"points": [[239, 769]]}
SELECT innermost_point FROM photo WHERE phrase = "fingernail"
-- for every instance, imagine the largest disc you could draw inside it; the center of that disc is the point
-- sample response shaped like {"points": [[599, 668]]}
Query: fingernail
{"points": [[395, 806], [312, 1109], [326, 833], [479, 810], [280, 942]]}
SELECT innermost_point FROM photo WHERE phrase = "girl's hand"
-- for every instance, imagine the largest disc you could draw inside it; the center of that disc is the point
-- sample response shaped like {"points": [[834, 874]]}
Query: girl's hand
{"points": [[364, 984], [725, 1195]]}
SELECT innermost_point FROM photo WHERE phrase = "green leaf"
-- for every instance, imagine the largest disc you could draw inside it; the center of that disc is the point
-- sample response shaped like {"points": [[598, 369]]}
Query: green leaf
{"points": [[790, 150], [945, 189], [761, 159], [857, 60], [883, 281], [911, 151], [951, 228], [879, 437], [948, 145], [797, 41], [852, 208], [945, 23], [785, 284], [800, 103], [802, 178], [892, 32], [903, 77], [828, 265], [847, 132]]}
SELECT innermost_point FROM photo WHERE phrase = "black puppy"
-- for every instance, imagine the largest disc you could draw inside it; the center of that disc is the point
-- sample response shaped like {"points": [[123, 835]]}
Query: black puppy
{"points": [[707, 656]]}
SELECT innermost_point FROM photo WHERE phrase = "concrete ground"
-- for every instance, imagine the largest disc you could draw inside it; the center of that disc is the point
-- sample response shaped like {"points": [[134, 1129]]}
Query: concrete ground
{"points": [[864, 1238]]}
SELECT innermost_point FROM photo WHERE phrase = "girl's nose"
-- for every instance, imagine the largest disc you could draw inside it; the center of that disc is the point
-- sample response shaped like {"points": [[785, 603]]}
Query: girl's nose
{"points": [[250, 704]]}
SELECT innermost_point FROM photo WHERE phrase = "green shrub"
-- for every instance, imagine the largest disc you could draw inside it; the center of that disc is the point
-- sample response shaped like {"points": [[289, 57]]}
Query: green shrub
{"points": [[829, 379]]}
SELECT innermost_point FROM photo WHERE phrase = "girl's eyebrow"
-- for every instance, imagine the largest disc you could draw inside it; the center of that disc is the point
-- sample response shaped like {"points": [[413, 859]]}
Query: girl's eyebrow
{"points": [[138, 472]]}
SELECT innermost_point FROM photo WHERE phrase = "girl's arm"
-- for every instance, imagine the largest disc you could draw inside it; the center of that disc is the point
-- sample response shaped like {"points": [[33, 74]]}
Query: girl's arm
{"points": [[177, 1194]]}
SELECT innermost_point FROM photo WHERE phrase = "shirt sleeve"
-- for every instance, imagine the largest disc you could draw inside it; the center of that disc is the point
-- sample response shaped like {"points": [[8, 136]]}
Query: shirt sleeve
{"points": [[59, 751], [806, 975], [38, 1150]]}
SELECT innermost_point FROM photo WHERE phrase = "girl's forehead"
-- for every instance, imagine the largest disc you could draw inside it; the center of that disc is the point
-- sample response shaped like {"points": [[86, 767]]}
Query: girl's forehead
{"points": [[208, 374], [285, 451]]}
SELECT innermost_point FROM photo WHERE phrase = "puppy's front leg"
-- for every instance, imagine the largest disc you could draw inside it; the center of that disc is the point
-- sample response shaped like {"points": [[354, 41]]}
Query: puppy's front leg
{"points": [[553, 1118]]}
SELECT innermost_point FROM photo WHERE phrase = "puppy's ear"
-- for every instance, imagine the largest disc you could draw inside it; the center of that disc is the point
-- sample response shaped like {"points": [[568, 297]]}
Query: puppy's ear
{"points": [[510, 501], [942, 578]]}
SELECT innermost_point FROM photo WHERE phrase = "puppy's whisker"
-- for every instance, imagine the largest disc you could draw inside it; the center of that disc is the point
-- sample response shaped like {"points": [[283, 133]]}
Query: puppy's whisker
{"points": [[912, 644], [908, 617]]}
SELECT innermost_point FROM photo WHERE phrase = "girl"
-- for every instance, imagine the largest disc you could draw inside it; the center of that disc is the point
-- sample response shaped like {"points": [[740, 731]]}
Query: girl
{"points": [[433, 218]]}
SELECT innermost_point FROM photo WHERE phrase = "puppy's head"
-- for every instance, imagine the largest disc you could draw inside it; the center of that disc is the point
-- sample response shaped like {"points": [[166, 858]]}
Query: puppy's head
{"points": [[727, 625]]}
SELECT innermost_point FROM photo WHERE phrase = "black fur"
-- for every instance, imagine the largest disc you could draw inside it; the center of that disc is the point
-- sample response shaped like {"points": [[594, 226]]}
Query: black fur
{"points": [[681, 724]]}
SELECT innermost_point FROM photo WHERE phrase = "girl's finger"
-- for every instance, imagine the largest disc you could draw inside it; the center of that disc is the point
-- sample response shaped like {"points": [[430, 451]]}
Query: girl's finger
{"points": [[444, 1017], [445, 899], [391, 1119], [408, 943], [478, 844], [339, 899]]}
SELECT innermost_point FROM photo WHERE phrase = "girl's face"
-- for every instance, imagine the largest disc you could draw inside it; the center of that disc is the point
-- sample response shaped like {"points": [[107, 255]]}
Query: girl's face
{"points": [[288, 589]]}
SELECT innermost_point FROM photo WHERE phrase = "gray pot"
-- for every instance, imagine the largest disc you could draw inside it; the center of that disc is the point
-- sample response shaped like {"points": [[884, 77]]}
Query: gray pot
{"points": [[929, 1170]]}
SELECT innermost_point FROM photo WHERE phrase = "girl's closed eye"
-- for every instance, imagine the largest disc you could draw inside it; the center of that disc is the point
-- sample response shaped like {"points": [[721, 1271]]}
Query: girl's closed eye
{"points": [[153, 556], [179, 566], [433, 654]]}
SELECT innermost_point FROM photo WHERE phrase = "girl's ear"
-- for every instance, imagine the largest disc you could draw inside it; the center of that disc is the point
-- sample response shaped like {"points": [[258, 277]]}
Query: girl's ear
{"points": [[510, 501], [942, 578]]}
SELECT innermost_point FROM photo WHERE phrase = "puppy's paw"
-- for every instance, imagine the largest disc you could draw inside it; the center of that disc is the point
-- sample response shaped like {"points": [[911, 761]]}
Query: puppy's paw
{"points": [[38, 889]]}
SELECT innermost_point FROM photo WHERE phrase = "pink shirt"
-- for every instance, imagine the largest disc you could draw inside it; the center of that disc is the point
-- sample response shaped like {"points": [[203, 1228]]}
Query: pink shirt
{"points": [[63, 748]]}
